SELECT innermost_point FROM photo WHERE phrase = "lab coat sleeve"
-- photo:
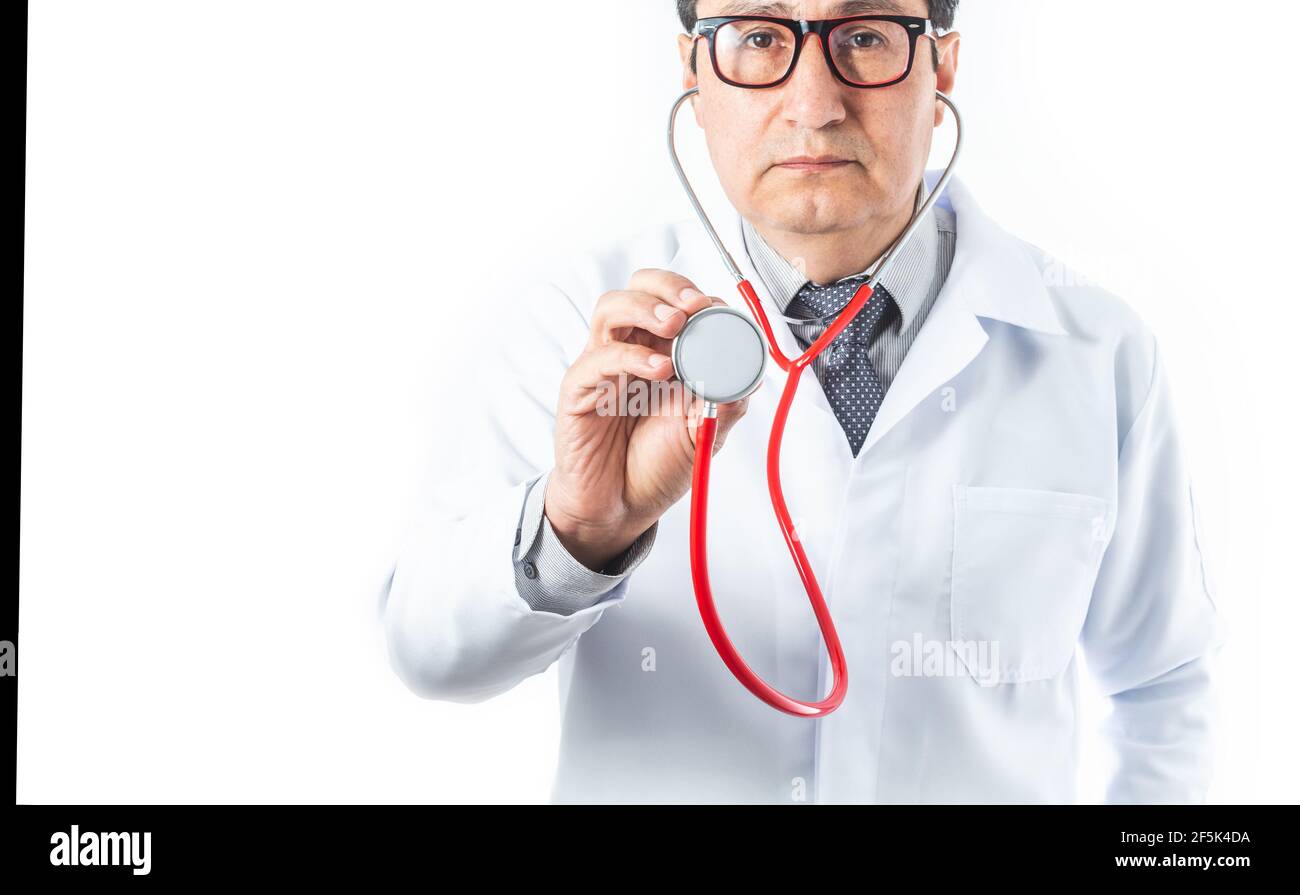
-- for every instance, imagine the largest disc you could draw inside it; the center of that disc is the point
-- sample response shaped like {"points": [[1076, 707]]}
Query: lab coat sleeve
{"points": [[1152, 629], [550, 578], [455, 624]]}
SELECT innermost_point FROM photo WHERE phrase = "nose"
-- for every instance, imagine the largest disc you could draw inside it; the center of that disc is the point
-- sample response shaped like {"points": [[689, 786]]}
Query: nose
{"points": [[812, 95]]}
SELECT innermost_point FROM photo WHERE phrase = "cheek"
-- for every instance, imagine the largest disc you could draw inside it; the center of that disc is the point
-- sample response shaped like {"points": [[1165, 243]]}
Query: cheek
{"points": [[733, 150], [898, 134]]}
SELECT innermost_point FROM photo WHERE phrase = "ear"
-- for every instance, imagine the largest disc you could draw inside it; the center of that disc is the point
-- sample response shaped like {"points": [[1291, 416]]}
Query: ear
{"points": [[685, 43], [690, 80], [949, 48]]}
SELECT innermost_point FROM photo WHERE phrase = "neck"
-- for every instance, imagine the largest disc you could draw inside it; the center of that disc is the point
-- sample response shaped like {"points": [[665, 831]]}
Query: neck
{"points": [[827, 257]]}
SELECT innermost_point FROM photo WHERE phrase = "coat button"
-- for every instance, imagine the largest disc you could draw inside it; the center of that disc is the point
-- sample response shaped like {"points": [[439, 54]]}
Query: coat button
{"points": [[530, 570]]}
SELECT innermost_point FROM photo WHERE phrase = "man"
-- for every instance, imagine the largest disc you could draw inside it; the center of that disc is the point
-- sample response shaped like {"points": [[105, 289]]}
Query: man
{"points": [[984, 470]]}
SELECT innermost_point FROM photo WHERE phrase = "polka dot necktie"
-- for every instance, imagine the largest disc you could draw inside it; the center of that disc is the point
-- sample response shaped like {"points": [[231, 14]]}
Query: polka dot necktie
{"points": [[844, 368]]}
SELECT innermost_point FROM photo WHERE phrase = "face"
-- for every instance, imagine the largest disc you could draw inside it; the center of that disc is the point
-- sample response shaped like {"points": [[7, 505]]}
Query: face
{"points": [[870, 145]]}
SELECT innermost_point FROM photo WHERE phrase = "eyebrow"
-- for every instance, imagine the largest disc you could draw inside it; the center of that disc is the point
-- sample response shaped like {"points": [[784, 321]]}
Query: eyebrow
{"points": [[785, 10]]}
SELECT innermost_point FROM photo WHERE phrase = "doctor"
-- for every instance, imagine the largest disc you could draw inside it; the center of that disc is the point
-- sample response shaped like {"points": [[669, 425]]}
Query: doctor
{"points": [[985, 472]]}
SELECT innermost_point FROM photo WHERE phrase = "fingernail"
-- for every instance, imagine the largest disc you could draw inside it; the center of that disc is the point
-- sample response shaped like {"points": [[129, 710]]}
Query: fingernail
{"points": [[663, 311], [657, 360], [690, 293]]}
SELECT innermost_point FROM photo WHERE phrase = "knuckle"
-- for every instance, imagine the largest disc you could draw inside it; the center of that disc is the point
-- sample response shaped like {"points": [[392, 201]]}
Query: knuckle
{"points": [[643, 274], [606, 304], [659, 277]]}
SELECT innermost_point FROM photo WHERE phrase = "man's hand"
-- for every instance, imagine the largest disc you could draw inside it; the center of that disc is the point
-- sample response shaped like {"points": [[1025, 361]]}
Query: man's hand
{"points": [[614, 475]]}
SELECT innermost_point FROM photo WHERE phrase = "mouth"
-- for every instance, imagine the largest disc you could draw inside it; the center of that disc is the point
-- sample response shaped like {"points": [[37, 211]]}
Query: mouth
{"points": [[814, 164]]}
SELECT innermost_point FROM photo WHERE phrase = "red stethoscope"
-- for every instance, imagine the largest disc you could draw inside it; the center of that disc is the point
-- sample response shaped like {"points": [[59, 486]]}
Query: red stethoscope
{"points": [[720, 356]]}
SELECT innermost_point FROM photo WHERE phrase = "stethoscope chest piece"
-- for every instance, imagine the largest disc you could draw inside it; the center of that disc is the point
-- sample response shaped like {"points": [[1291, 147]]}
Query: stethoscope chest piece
{"points": [[720, 355]]}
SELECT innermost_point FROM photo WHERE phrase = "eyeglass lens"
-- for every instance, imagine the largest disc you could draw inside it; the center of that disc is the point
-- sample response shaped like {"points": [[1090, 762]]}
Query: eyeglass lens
{"points": [[757, 53]]}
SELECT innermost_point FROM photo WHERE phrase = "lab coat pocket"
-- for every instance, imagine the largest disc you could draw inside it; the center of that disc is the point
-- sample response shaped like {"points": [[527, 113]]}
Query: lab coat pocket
{"points": [[1023, 566]]}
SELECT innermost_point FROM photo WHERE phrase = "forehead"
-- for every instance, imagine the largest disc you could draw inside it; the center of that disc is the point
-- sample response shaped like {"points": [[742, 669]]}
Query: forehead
{"points": [[811, 9]]}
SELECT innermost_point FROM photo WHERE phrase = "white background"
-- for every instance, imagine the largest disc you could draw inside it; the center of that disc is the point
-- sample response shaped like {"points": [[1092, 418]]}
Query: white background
{"points": [[262, 236]]}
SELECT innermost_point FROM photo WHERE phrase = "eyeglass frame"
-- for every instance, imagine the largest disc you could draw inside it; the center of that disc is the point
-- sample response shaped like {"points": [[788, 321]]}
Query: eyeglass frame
{"points": [[915, 26]]}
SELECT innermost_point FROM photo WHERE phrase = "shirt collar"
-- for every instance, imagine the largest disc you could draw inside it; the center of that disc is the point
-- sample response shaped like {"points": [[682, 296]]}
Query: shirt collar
{"points": [[908, 280]]}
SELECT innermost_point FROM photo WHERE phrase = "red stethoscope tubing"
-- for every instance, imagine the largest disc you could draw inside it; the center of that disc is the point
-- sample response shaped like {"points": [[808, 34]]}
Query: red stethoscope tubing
{"points": [[704, 440]]}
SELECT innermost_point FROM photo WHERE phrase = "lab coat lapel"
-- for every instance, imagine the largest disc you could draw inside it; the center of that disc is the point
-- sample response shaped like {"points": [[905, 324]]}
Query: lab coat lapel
{"points": [[992, 276], [949, 339]]}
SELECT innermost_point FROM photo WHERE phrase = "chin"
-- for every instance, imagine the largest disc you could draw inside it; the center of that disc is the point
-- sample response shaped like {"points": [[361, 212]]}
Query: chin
{"points": [[811, 213]]}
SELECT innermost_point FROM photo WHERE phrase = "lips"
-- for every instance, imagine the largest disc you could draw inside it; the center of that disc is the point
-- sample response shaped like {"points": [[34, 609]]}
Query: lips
{"points": [[813, 163]]}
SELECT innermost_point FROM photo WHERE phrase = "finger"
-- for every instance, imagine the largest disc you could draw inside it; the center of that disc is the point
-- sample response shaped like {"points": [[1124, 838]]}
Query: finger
{"points": [[728, 416], [605, 363], [616, 312], [670, 287]]}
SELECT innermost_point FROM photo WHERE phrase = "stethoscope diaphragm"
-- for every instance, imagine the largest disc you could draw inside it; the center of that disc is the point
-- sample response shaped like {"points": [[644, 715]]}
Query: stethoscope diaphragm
{"points": [[720, 355]]}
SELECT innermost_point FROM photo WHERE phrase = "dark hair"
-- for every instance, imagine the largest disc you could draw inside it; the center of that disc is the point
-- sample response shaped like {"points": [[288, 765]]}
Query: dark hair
{"points": [[942, 14]]}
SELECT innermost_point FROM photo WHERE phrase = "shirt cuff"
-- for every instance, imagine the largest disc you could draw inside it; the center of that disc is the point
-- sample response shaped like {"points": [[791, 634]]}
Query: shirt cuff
{"points": [[547, 576]]}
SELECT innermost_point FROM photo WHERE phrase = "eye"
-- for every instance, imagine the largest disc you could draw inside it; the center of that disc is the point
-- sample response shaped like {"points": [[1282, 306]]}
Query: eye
{"points": [[760, 40], [864, 40]]}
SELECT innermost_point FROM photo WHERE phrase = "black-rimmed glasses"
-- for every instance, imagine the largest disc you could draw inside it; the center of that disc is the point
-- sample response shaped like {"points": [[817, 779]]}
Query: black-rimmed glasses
{"points": [[762, 51]]}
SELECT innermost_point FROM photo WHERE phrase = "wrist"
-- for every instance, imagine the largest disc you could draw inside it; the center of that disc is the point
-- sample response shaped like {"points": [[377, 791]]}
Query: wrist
{"points": [[594, 544], [596, 547]]}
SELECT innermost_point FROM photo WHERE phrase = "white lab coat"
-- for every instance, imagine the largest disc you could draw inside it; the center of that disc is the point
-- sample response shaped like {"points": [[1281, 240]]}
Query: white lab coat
{"points": [[1023, 486]]}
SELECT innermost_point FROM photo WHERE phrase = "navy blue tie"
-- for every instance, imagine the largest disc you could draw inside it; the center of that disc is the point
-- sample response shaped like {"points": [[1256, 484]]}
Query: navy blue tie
{"points": [[844, 368]]}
